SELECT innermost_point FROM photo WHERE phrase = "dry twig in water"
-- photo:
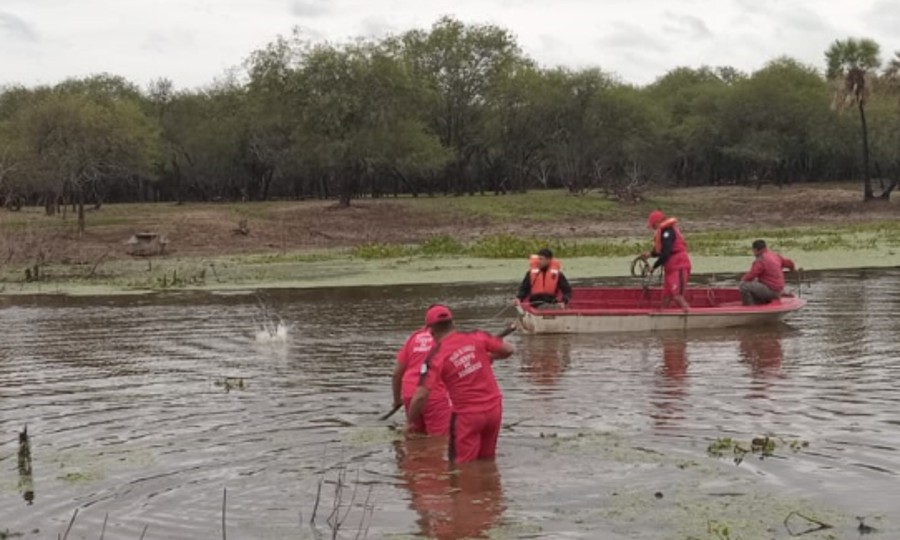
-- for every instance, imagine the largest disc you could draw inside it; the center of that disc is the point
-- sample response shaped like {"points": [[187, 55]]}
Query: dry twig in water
{"points": [[103, 530], [366, 513], [821, 525], [69, 528]]}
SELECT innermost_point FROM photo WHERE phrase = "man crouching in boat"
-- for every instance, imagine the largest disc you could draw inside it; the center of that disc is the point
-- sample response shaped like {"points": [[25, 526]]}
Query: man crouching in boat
{"points": [[461, 361], [765, 280], [671, 254], [435, 416], [544, 282]]}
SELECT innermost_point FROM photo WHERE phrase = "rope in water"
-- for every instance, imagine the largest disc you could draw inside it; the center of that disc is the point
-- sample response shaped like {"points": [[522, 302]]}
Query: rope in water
{"points": [[501, 312]]}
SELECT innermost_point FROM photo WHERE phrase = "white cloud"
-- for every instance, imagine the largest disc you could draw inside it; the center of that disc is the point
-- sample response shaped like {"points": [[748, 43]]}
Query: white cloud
{"points": [[376, 27], [193, 41], [310, 8], [687, 25], [884, 16], [16, 29], [627, 37]]}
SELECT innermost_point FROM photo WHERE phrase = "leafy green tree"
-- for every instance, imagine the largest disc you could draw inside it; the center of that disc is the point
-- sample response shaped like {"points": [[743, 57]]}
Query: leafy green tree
{"points": [[68, 142], [691, 100], [767, 121], [459, 67], [358, 119]]}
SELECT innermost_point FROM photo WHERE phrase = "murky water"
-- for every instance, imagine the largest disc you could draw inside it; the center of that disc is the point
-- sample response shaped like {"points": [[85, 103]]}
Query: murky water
{"points": [[135, 410]]}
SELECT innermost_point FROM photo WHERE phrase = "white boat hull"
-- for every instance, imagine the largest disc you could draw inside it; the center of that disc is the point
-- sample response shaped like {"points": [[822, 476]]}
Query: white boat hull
{"points": [[550, 323]]}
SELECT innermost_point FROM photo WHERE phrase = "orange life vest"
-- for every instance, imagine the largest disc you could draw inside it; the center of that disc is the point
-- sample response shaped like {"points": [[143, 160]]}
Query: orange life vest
{"points": [[543, 283]]}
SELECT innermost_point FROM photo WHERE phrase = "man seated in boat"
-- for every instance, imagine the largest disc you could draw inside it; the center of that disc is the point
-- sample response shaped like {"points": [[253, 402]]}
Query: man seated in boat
{"points": [[671, 252], [765, 280], [544, 282]]}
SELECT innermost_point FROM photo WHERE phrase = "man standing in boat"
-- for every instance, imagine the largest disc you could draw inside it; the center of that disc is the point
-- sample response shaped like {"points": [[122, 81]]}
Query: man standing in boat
{"points": [[671, 254], [765, 280], [461, 361], [544, 282], [435, 418]]}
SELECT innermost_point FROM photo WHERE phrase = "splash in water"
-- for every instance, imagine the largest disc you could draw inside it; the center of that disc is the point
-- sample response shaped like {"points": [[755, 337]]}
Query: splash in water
{"points": [[272, 333], [268, 331]]}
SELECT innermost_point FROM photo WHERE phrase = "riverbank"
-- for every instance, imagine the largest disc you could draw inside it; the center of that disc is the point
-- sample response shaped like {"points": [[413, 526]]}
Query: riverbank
{"points": [[440, 240], [124, 277]]}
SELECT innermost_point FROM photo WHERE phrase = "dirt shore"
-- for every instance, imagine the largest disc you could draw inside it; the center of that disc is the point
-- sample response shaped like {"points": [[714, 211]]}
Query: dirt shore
{"points": [[297, 244]]}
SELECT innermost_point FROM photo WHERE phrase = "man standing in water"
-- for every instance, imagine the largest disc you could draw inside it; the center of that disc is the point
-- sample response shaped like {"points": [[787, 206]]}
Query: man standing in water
{"points": [[462, 362], [765, 280], [671, 254], [435, 418]]}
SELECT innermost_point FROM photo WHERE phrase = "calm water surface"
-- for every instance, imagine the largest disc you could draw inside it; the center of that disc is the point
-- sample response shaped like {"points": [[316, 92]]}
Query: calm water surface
{"points": [[606, 436]]}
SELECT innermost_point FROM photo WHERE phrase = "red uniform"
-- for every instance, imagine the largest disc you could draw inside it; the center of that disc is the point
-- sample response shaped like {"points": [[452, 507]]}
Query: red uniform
{"points": [[463, 363], [768, 270], [435, 419], [677, 262]]}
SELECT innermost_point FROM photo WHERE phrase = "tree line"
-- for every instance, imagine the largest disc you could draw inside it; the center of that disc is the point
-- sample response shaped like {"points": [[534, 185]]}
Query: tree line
{"points": [[456, 109]]}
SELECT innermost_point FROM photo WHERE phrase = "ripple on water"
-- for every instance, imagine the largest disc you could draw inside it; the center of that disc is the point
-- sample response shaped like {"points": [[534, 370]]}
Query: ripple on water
{"points": [[132, 413]]}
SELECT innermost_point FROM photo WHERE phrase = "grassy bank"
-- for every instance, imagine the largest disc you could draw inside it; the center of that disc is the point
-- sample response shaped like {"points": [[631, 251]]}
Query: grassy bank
{"points": [[434, 240], [344, 270]]}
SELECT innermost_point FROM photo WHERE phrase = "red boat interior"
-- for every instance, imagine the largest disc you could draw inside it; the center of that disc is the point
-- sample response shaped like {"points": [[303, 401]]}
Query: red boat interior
{"points": [[615, 299]]}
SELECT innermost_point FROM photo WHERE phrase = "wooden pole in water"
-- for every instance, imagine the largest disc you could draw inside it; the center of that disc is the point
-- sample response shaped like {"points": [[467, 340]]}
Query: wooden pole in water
{"points": [[224, 500]]}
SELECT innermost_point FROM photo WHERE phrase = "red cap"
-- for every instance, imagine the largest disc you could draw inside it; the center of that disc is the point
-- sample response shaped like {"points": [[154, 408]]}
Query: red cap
{"points": [[655, 218], [437, 313]]}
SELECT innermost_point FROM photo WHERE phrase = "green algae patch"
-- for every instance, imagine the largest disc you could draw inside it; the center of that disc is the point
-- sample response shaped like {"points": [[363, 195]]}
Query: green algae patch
{"points": [[81, 476], [83, 467], [745, 513], [644, 489], [763, 446], [514, 529], [716, 259], [371, 436], [615, 447]]}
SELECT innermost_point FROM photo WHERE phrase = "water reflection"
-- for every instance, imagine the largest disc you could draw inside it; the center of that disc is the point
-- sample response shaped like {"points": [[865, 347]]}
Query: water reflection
{"points": [[763, 353], [545, 358], [671, 381], [463, 503]]}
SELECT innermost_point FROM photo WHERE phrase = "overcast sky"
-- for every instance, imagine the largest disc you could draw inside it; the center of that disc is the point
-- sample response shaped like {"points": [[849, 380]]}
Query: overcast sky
{"points": [[194, 41]]}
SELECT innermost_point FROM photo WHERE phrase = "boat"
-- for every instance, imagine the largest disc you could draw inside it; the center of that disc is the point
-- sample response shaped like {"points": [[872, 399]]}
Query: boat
{"points": [[602, 310]]}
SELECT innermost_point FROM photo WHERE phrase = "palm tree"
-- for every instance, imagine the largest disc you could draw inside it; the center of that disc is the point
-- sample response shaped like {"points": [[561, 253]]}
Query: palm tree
{"points": [[891, 74], [891, 77], [850, 63], [892, 69]]}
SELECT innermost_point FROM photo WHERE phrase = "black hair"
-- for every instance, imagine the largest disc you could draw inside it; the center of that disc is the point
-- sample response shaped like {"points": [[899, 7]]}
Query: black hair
{"points": [[759, 244], [544, 252], [442, 327]]}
